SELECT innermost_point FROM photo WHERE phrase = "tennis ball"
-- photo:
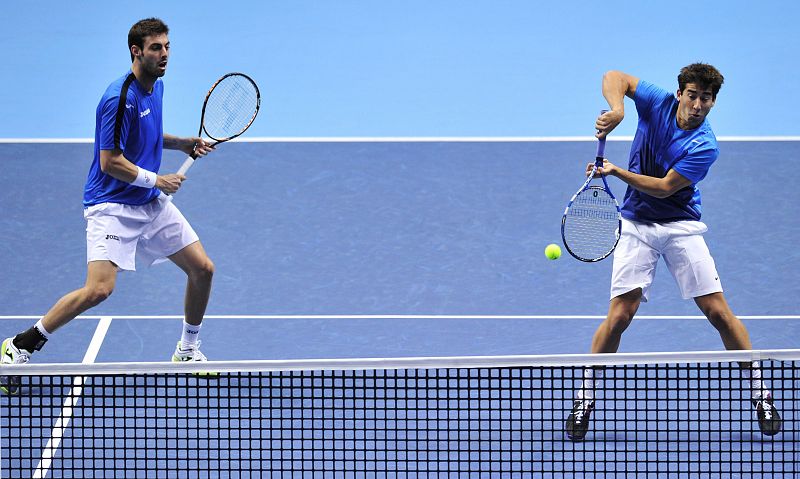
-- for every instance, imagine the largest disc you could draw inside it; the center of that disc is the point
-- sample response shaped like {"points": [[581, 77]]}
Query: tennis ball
{"points": [[552, 251]]}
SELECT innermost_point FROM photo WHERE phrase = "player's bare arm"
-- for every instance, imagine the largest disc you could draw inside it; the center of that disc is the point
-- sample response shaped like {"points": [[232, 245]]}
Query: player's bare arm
{"points": [[188, 145], [616, 86], [114, 163], [657, 187]]}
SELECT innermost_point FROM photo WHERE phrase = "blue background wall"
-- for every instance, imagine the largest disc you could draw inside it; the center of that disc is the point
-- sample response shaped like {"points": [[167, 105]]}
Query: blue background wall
{"points": [[403, 68]]}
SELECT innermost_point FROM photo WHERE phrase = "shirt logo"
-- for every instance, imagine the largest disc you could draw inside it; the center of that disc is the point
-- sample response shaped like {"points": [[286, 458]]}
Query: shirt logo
{"points": [[144, 113], [128, 106]]}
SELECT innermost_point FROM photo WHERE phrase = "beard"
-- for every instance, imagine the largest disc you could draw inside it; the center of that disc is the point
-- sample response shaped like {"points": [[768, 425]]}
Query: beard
{"points": [[154, 71]]}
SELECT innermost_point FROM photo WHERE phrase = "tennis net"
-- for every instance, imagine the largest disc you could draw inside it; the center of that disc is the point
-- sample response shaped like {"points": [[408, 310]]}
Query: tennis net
{"points": [[659, 415]]}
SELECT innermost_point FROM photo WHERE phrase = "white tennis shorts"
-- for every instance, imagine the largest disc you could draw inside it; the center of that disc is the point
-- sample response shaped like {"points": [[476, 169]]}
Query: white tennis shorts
{"points": [[119, 233], [684, 250]]}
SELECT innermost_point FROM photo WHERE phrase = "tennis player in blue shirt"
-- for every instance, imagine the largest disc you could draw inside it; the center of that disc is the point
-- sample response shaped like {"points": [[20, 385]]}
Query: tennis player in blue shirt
{"points": [[126, 207], [672, 151]]}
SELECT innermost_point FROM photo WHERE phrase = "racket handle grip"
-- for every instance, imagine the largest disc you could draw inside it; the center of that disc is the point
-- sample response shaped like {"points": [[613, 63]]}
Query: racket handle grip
{"points": [[601, 147], [187, 163]]}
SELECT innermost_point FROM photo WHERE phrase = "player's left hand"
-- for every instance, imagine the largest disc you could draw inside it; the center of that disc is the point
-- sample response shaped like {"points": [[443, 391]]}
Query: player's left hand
{"points": [[196, 146], [606, 123], [201, 148]]}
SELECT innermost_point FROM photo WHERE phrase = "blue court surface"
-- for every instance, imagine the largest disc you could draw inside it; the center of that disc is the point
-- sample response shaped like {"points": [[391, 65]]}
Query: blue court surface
{"points": [[367, 249], [419, 234]]}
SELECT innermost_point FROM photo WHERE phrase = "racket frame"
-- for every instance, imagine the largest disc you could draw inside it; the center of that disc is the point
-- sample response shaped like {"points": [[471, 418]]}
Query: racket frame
{"points": [[189, 161], [598, 163]]}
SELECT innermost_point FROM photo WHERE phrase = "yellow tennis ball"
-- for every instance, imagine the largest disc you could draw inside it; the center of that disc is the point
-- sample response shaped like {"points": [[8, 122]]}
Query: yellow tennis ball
{"points": [[553, 251]]}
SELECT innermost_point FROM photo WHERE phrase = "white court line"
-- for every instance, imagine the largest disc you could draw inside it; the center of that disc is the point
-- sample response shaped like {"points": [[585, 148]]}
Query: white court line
{"points": [[411, 139], [71, 401], [407, 316]]}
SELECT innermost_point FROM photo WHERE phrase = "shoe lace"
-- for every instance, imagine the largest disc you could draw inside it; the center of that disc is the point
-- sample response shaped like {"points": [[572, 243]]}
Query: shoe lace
{"points": [[766, 409], [197, 355], [17, 355], [21, 358], [582, 409]]}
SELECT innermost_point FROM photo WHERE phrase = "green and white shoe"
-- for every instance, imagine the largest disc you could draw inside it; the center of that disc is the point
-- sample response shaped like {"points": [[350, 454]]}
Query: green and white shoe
{"points": [[10, 354], [192, 354]]}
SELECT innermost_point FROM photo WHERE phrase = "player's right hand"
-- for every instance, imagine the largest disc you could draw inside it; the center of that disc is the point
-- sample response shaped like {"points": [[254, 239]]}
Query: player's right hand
{"points": [[170, 183], [607, 169]]}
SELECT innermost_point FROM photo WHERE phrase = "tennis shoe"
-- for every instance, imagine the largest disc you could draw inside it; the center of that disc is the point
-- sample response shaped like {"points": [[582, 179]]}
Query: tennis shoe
{"points": [[578, 420], [769, 421], [191, 354], [10, 354]]}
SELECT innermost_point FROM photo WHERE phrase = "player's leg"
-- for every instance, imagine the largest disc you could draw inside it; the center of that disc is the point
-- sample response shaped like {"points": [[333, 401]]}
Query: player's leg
{"points": [[170, 236], [100, 280], [689, 260], [199, 270], [606, 340], [621, 311], [633, 272], [690, 263], [634, 269], [735, 336], [732, 331]]}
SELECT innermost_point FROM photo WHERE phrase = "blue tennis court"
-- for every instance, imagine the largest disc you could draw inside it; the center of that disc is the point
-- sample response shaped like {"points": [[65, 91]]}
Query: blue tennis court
{"points": [[398, 249], [410, 248]]}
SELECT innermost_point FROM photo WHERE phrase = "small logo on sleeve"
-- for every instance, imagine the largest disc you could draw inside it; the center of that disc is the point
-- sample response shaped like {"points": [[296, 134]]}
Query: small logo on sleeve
{"points": [[112, 237]]}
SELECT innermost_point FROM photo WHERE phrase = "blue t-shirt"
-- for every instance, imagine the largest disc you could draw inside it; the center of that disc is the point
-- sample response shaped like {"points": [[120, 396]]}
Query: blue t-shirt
{"points": [[128, 118], [660, 145]]}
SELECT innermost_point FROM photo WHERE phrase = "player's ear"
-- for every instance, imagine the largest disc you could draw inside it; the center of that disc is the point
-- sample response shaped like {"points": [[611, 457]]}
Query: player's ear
{"points": [[678, 94], [136, 51]]}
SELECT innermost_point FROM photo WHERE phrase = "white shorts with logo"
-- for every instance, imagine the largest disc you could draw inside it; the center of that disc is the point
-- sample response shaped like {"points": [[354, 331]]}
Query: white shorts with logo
{"points": [[119, 233], [684, 250]]}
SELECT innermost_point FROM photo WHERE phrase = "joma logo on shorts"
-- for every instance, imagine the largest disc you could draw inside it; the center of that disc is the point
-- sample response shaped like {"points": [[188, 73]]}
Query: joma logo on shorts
{"points": [[114, 237]]}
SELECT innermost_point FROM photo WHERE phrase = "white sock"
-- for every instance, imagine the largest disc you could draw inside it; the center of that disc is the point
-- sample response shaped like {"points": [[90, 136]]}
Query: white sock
{"points": [[752, 376], [592, 379], [40, 327], [189, 335]]}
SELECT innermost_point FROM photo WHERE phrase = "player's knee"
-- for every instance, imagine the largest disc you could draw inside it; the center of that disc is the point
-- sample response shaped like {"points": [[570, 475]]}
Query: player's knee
{"points": [[96, 294], [205, 271], [618, 322], [720, 319]]}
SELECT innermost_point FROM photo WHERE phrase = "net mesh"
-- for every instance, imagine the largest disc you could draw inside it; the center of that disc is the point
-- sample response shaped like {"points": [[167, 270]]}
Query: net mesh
{"points": [[591, 224], [684, 419], [231, 107]]}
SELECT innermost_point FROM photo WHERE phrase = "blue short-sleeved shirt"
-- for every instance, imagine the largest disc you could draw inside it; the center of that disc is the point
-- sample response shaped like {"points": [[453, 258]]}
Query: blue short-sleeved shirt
{"points": [[660, 145], [128, 118]]}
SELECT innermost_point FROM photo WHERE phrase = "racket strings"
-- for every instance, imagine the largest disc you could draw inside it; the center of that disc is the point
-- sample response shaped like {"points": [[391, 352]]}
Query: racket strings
{"points": [[591, 226], [231, 107]]}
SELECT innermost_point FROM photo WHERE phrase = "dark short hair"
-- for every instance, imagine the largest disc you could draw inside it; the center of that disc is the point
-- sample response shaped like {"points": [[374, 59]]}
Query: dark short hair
{"points": [[145, 28], [703, 75]]}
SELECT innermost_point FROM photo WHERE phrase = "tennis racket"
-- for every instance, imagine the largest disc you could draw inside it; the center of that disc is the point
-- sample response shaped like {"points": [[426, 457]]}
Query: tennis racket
{"points": [[230, 107], [592, 220]]}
